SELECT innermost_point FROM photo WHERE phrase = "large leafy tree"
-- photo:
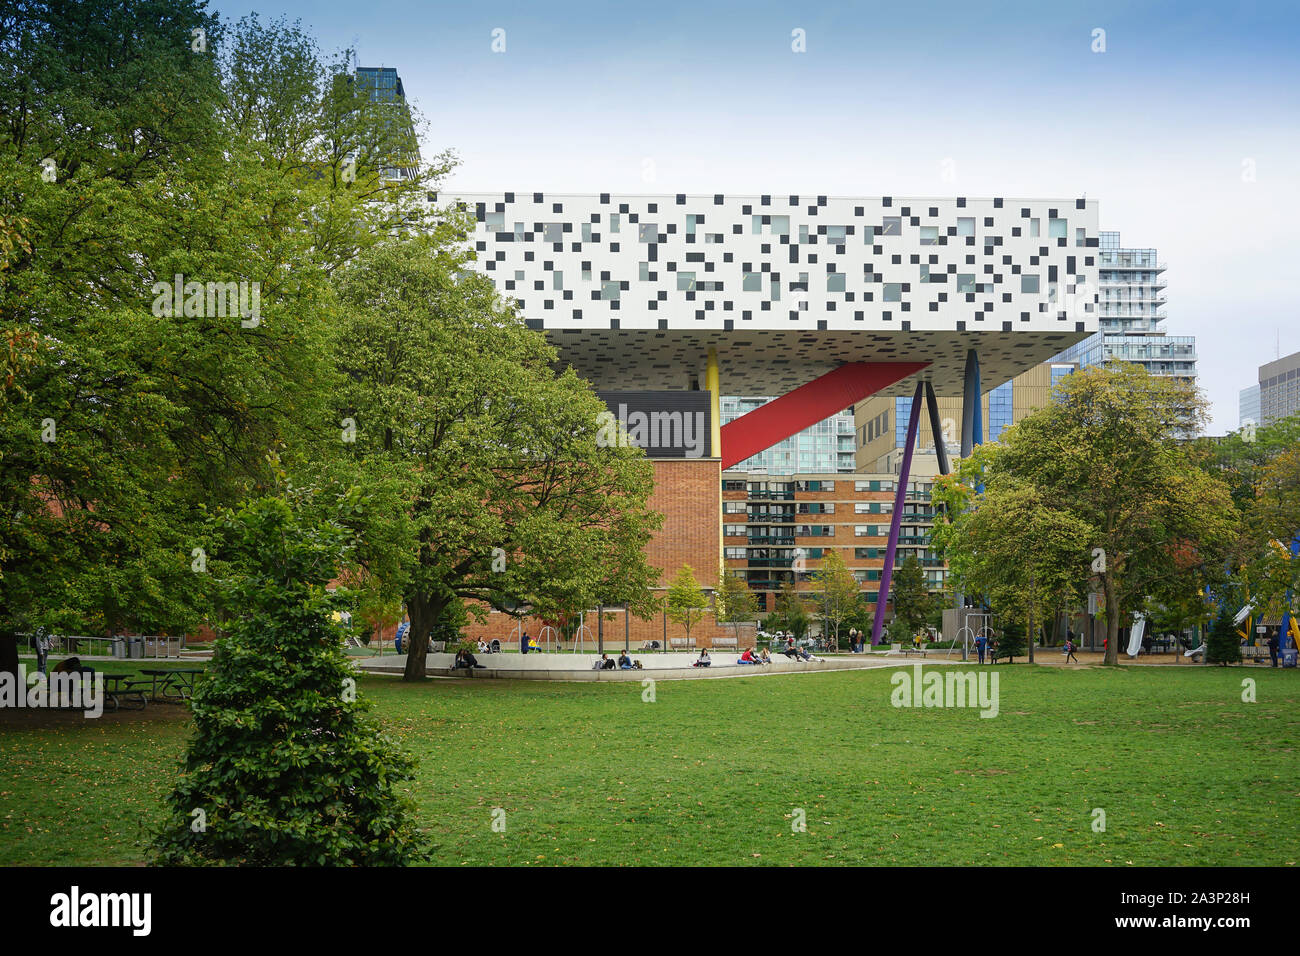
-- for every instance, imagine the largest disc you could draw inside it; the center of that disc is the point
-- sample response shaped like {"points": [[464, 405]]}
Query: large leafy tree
{"points": [[501, 491], [142, 140], [1270, 571], [1012, 548], [1106, 462]]}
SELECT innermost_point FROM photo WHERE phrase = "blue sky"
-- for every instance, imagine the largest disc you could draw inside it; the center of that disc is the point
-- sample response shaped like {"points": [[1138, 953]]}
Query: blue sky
{"points": [[1163, 128]]}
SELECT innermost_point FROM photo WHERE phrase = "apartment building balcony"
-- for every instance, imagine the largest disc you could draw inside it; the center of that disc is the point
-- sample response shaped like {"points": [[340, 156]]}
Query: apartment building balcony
{"points": [[1134, 261]]}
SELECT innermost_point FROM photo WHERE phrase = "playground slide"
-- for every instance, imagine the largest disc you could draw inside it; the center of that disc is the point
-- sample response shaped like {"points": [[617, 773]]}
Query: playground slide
{"points": [[1135, 635]]}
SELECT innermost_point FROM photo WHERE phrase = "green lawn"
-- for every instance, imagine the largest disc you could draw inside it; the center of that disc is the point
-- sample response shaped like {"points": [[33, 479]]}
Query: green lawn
{"points": [[712, 771]]}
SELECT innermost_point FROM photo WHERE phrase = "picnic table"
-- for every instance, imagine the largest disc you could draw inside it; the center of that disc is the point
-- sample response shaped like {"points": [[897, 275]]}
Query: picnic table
{"points": [[176, 683], [118, 687]]}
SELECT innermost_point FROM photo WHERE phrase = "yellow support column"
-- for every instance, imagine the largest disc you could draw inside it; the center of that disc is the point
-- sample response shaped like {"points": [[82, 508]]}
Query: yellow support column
{"points": [[711, 379], [712, 382]]}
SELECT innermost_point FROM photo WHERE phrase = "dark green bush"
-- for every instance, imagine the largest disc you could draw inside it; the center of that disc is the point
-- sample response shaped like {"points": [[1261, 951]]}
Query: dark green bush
{"points": [[284, 768]]}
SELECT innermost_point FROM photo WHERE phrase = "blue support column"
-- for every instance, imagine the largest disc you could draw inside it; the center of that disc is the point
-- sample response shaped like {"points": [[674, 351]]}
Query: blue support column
{"points": [[895, 523], [972, 416]]}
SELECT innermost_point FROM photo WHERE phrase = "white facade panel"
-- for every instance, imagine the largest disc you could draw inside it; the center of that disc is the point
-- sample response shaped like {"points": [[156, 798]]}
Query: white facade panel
{"points": [[788, 286]]}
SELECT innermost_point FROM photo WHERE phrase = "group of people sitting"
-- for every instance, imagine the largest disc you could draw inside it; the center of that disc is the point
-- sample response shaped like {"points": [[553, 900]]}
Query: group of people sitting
{"points": [[762, 656], [625, 663]]}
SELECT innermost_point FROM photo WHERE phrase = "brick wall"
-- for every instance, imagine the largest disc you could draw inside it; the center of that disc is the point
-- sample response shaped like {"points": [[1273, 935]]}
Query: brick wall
{"points": [[688, 494]]}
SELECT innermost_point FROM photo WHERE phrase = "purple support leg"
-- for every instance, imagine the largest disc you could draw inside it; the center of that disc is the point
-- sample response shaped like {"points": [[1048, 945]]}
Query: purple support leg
{"points": [[900, 495]]}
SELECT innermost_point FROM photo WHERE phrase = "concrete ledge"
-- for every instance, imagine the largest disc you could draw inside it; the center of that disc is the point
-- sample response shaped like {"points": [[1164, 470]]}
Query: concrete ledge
{"points": [[578, 667]]}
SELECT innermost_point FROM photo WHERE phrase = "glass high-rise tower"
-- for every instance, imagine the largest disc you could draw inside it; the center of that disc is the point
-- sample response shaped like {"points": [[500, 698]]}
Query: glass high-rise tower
{"points": [[1130, 308]]}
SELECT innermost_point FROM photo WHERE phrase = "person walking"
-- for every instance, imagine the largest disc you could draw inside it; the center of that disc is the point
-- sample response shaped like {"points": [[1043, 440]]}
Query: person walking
{"points": [[1069, 651], [42, 641], [1272, 648]]}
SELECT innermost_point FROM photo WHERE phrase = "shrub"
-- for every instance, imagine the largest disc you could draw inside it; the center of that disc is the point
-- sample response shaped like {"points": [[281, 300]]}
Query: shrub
{"points": [[283, 767], [1223, 646], [1011, 642]]}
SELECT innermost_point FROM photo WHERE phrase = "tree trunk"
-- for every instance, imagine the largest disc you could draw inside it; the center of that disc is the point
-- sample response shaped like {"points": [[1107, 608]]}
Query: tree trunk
{"points": [[1112, 620], [425, 613], [9, 654], [1032, 622]]}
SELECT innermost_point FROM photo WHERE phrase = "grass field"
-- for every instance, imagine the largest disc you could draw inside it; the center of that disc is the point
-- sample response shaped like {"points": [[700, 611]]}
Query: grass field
{"points": [[712, 772]]}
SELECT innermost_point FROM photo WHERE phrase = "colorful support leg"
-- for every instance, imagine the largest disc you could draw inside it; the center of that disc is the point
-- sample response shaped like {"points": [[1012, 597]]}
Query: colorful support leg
{"points": [[900, 496]]}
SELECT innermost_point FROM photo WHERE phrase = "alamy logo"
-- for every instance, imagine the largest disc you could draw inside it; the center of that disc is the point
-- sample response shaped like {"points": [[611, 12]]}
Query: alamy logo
{"points": [[75, 909], [684, 430], [83, 692], [211, 300], [948, 689]]}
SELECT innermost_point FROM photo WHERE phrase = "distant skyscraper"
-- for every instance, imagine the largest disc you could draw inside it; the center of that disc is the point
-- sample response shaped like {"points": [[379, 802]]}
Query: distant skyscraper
{"points": [[1248, 406], [1130, 308], [385, 87], [1279, 389], [824, 448]]}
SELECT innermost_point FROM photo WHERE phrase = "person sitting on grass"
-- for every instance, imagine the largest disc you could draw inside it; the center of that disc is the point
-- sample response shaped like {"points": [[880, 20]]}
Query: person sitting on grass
{"points": [[704, 660], [624, 662]]}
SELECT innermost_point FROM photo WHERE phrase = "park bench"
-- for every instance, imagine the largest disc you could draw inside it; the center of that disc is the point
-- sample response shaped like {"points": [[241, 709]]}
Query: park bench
{"points": [[725, 642], [684, 642]]}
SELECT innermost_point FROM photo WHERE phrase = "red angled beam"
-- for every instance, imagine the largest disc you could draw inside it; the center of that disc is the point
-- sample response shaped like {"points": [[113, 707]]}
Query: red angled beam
{"points": [[807, 405]]}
